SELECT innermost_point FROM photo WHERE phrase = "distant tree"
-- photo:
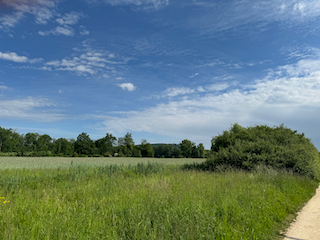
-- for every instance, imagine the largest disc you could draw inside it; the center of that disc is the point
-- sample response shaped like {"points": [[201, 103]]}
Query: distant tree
{"points": [[30, 140], [176, 152], [84, 145], [146, 149], [136, 152], [163, 150], [44, 143], [129, 143], [10, 141], [122, 148], [106, 144], [63, 146], [195, 152], [201, 150], [186, 147]]}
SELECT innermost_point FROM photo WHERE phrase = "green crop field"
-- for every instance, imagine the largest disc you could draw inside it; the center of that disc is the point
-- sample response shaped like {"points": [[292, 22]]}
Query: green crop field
{"points": [[61, 162]]}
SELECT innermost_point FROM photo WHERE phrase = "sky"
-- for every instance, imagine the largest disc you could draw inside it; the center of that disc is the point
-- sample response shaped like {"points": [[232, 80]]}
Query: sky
{"points": [[163, 70]]}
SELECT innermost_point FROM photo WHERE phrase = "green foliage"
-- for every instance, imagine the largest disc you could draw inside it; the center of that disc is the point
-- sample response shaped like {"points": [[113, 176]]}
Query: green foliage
{"points": [[126, 145], [186, 147], [106, 144], [64, 147], [84, 145], [279, 147], [10, 141], [44, 143], [163, 150], [30, 140], [136, 152], [146, 149], [201, 150]]}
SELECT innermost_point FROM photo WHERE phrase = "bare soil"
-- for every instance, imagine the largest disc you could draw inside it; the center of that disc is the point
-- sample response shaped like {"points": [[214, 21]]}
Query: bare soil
{"points": [[307, 224]]}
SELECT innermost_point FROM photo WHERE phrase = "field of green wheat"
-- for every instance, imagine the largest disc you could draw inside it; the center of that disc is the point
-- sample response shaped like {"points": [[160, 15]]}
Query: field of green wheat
{"points": [[62, 162]]}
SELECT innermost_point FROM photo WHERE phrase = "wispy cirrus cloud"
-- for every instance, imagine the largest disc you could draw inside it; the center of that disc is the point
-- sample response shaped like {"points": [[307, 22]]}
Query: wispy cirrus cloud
{"points": [[65, 21], [70, 18], [173, 92], [176, 91], [231, 64], [31, 109], [67, 31], [242, 16], [84, 31], [42, 10], [142, 4], [89, 61]]}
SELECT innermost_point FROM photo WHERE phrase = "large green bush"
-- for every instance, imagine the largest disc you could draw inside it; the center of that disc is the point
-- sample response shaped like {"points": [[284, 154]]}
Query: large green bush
{"points": [[279, 147]]}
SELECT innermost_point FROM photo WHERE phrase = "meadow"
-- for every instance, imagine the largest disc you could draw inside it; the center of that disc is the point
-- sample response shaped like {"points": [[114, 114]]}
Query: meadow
{"points": [[62, 162], [148, 201]]}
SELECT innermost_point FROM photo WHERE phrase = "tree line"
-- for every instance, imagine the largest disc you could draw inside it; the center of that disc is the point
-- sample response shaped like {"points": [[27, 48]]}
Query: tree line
{"points": [[34, 144]]}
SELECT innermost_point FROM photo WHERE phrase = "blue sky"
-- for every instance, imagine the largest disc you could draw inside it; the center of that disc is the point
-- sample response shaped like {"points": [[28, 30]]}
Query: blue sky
{"points": [[164, 70]]}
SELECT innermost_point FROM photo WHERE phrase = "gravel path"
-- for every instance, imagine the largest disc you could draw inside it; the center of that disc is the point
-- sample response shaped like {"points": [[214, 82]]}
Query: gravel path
{"points": [[307, 224]]}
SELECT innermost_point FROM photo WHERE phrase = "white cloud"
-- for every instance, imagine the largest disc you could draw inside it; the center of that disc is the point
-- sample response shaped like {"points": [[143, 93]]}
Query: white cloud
{"points": [[67, 31], [34, 68], [144, 4], [194, 75], [43, 15], [42, 10], [201, 89], [9, 21], [174, 91], [32, 109], [84, 32], [3, 87], [53, 63], [217, 87], [127, 86], [11, 56], [79, 69], [177, 91], [69, 18], [91, 61], [290, 97]]}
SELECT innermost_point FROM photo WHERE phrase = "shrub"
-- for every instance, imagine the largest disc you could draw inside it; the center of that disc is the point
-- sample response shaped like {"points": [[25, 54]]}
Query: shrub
{"points": [[278, 147]]}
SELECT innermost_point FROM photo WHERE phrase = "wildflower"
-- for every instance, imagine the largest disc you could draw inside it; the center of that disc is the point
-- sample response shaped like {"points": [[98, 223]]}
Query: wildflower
{"points": [[5, 201]]}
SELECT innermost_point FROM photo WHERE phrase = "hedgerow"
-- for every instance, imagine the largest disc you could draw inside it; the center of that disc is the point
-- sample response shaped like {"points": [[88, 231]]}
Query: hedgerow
{"points": [[278, 146]]}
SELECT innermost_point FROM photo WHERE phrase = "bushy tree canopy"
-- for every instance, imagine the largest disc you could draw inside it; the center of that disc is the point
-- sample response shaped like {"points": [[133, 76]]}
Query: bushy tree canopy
{"points": [[279, 147], [84, 145]]}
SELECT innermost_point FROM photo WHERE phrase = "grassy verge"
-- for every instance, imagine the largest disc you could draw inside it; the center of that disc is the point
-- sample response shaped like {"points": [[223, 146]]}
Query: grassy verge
{"points": [[66, 162], [147, 201]]}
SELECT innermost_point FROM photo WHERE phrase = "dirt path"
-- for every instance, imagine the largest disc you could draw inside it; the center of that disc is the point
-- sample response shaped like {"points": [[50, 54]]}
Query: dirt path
{"points": [[307, 224]]}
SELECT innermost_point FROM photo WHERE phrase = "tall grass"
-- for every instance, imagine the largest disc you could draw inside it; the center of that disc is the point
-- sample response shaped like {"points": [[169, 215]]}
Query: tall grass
{"points": [[148, 201]]}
